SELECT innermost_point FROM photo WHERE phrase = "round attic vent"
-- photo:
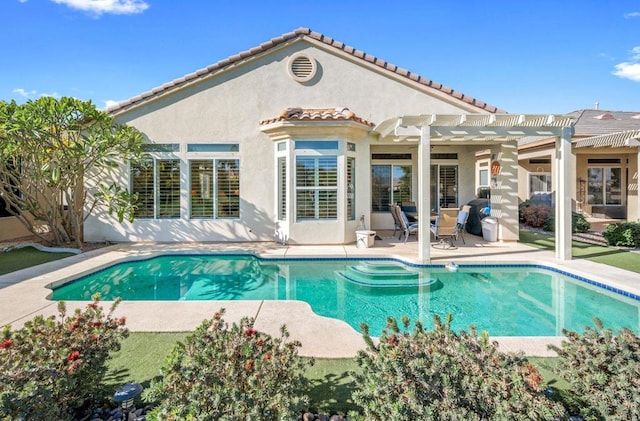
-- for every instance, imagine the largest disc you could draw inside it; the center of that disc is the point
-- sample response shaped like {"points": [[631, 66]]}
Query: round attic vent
{"points": [[302, 68]]}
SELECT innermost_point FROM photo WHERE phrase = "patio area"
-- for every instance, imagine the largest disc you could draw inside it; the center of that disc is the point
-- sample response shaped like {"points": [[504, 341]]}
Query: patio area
{"points": [[23, 294]]}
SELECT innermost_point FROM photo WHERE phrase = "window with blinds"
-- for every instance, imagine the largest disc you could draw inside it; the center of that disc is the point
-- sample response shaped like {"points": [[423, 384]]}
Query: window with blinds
{"points": [[351, 188], [201, 195], [168, 188], [282, 188], [316, 187], [227, 188], [142, 185], [214, 194]]}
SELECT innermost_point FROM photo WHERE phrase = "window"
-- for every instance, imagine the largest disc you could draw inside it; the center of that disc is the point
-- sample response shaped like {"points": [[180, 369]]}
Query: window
{"points": [[157, 183], [390, 184], [539, 183], [351, 188], [316, 187], [444, 186], [215, 188], [282, 188], [604, 186]]}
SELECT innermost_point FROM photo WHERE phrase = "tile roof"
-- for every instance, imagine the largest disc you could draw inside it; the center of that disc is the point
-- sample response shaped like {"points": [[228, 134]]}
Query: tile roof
{"points": [[299, 33], [308, 114], [599, 122]]}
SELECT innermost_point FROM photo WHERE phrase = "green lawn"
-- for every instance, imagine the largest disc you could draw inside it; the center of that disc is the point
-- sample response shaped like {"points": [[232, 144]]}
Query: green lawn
{"points": [[25, 257], [611, 256]]}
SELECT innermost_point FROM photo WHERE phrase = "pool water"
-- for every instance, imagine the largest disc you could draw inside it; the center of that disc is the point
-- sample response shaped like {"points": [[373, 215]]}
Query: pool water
{"points": [[514, 300]]}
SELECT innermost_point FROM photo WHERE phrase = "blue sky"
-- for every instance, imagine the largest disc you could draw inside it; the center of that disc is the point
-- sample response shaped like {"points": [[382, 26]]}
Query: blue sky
{"points": [[538, 56]]}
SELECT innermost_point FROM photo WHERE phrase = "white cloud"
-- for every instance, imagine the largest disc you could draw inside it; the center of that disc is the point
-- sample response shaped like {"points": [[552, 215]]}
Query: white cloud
{"points": [[630, 69], [24, 93], [110, 103], [632, 15], [98, 7], [34, 94]]}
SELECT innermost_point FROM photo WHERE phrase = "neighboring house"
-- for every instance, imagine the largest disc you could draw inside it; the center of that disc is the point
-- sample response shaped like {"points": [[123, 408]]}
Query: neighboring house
{"points": [[300, 137], [606, 148]]}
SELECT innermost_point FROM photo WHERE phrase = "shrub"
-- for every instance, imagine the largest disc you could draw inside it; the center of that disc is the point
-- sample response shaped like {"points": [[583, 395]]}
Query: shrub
{"points": [[603, 370], [441, 375], [534, 215], [578, 223], [625, 234], [53, 368], [222, 373]]}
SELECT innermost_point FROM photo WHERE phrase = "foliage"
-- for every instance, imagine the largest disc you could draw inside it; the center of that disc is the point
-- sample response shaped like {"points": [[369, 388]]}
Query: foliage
{"points": [[539, 215], [230, 373], [53, 154], [53, 368], [603, 370], [534, 215], [441, 375], [578, 223], [625, 234]]}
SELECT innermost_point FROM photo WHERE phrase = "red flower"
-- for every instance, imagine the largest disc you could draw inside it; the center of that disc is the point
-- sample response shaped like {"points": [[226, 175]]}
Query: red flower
{"points": [[73, 356], [259, 342], [392, 340], [248, 366], [122, 320], [267, 356], [250, 332], [6, 343], [93, 306]]}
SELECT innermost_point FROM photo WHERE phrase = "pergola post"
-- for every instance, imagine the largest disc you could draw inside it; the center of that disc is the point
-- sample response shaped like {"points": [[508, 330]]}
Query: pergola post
{"points": [[562, 180], [424, 195], [638, 186]]}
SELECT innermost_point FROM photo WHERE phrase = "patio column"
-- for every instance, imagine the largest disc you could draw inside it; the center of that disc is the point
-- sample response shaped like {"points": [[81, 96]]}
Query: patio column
{"points": [[424, 195], [638, 187], [562, 182]]}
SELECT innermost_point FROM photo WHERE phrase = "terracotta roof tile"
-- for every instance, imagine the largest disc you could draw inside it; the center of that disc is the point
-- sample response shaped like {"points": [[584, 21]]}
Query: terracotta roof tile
{"points": [[308, 114], [301, 32]]}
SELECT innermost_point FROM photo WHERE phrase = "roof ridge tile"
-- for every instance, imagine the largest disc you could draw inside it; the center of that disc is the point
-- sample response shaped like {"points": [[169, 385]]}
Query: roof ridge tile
{"points": [[301, 32]]}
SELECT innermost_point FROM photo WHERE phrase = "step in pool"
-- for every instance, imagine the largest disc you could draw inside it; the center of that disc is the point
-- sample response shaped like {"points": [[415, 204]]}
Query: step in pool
{"points": [[385, 274]]}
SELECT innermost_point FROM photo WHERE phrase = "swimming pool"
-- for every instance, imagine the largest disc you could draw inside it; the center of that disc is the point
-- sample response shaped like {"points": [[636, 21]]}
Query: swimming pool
{"points": [[506, 300]]}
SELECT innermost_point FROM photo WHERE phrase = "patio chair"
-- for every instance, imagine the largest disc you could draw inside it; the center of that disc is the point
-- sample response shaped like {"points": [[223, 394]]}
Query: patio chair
{"points": [[407, 227], [396, 221], [446, 235]]}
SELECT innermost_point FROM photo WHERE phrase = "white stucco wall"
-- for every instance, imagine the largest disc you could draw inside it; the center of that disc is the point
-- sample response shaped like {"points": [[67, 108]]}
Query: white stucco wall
{"points": [[227, 108]]}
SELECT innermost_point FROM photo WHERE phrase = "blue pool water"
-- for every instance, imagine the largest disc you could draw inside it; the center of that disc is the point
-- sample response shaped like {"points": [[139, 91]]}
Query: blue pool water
{"points": [[514, 300]]}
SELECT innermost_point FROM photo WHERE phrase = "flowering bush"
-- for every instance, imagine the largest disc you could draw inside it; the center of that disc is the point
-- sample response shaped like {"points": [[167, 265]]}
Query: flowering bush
{"points": [[441, 375], [52, 368], [230, 373], [603, 370]]}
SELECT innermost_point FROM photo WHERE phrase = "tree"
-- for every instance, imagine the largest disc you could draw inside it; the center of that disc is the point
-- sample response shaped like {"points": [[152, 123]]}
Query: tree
{"points": [[53, 157]]}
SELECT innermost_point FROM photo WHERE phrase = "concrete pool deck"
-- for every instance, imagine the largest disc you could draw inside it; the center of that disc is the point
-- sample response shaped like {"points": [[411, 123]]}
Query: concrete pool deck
{"points": [[23, 294]]}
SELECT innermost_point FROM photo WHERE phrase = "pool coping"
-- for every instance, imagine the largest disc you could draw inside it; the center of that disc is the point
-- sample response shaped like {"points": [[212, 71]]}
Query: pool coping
{"points": [[23, 293]]}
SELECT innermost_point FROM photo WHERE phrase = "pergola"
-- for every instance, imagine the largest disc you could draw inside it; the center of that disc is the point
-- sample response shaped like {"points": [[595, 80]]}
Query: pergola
{"points": [[501, 130]]}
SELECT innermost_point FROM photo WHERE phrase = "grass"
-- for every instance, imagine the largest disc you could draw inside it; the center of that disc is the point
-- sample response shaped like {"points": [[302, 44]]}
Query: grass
{"points": [[329, 381], [25, 257], [611, 256]]}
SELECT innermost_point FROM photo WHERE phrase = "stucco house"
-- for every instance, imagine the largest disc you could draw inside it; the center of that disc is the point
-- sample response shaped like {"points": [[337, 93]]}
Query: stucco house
{"points": [[606, 146], [303, 138]]}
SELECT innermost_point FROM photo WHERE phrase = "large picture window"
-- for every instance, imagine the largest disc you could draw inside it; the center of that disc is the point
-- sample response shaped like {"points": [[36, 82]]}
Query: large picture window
{"points": [[390, 184], [604, 186], [215, 188], [316, 187], [157, 183]]}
